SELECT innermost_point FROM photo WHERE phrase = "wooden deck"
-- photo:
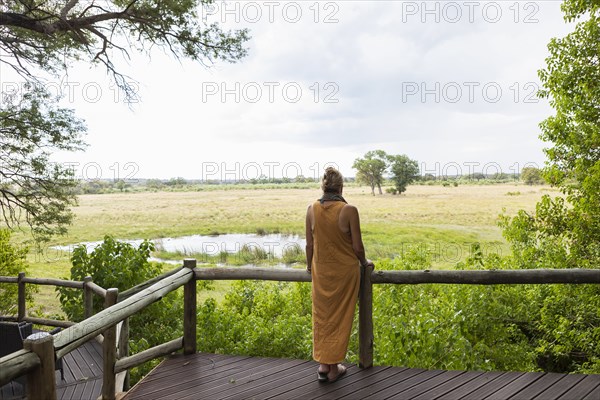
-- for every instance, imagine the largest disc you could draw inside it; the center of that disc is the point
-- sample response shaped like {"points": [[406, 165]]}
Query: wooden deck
{"points": [[212, 376], [83, 376]]}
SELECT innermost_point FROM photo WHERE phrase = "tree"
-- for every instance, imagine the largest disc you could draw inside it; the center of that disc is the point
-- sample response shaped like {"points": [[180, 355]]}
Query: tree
{"points": [[404, 171], [40, 39], [31, 188], [532, 176], [564, 232], [371, 168], [49, 35]]}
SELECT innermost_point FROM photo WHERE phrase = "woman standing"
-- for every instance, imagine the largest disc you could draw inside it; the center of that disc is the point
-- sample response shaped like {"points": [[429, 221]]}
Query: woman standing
{"points": [[334, 250]]}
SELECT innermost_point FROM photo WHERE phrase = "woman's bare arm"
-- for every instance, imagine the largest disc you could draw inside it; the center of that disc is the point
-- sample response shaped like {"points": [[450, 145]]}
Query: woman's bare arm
{"points": [[357, 243], [309, 239]]}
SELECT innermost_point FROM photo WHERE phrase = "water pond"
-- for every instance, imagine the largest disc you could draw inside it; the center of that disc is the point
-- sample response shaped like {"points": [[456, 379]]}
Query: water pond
{"points": [[273, 244]]}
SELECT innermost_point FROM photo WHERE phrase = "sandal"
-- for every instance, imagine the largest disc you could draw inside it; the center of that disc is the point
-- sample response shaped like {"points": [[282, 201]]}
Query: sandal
{"points": [[322, 376], [341, 372]]}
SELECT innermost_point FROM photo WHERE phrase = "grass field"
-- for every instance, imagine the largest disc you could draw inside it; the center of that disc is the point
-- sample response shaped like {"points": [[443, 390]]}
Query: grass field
{"points": [[444, 220]]}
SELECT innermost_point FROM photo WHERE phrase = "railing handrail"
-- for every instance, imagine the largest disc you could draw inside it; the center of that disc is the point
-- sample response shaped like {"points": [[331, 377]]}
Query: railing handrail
{"points": [[140, 296]]}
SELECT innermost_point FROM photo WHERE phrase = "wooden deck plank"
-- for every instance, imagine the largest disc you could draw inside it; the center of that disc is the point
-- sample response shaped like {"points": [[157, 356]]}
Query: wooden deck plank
{"points": [[194, 372], [448, 386], [241, 376], [297, 376], [516, 386], [312, 385], [535, 389], [256, 382], [553, 392], [65, 392], [378, 386], [93, 361], [583, 388], [82, 363], [404, 385], [426, 386], [354, 380], [300, 376], [471, 386], [486, 390], [206, 376], [367, 377], [594, 394], [178, 364]]}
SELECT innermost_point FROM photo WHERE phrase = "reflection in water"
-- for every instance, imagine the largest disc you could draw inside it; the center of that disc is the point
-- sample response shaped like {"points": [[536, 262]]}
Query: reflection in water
{"points": [[273, 244]]}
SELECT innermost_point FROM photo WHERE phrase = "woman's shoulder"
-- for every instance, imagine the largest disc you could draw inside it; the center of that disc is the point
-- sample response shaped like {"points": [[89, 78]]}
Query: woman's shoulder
{"points": [[349, 208]]}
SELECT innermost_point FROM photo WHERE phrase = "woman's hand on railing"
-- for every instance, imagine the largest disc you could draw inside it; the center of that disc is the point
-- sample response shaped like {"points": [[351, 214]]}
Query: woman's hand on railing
{"points": [[368, 263]]}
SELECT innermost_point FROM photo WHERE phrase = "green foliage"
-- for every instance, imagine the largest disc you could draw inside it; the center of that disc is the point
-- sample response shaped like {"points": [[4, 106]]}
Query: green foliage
{"points": [[34, 190], [50, 35], [41, 40], [12, 261], [404, 171], [564, 232], [464, 327], [532, 176], [371, 168], [115, 264], [259, 319]]}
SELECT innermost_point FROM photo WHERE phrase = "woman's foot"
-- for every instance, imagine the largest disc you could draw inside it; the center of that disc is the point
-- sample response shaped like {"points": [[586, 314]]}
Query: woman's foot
{"points": [[336, 373], [322, 372]]}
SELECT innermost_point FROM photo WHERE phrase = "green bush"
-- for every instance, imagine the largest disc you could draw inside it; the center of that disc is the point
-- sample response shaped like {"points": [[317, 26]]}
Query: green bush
{"points": [[12, 261], [464, 327], [115, 264]]}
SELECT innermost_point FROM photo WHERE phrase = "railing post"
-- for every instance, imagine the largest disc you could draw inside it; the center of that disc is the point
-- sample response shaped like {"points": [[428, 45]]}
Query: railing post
{"points": [[365, 319], [21, 297], [88, 298], [109, 350], [123, 349], [41, 382], [189, 310]]}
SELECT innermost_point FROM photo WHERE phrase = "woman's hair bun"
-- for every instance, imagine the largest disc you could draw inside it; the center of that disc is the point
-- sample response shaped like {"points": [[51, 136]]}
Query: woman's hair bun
{"points": [[332, 181]]}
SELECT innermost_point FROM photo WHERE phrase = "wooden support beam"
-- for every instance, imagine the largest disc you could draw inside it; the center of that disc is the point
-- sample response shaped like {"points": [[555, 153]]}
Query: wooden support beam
{"points": [[123, 351], [265, 274], [88, 298], [189, 311], [149, 354], [138, 288], [41, 382], [17, 364], [365, 319], [72, 337], [109, 350], [49, 322], [54, 282], [21, 304], [490, 277]]}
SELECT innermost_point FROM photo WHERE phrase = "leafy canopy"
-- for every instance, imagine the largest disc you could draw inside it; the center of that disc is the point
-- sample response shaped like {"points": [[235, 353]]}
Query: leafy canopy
{"points": [[371, 168], [565, 232], [42, 39]]}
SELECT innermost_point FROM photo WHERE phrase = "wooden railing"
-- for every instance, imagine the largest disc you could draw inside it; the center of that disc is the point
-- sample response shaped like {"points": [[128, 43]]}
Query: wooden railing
{"points": [[39, 355]]}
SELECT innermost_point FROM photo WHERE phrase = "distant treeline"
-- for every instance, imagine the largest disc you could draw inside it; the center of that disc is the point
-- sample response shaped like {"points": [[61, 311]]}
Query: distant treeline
{"points": [[98, 186]]}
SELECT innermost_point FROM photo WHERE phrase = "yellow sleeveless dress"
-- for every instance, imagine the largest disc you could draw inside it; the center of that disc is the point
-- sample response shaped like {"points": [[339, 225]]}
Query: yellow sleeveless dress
{"points": [[335, 284]]}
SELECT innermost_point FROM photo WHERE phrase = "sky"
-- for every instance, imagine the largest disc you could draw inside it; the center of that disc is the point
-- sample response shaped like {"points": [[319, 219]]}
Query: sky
{"points": [[450, 84]]}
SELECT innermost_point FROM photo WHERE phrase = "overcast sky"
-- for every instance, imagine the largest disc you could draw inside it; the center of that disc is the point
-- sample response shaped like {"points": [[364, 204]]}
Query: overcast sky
{"points": [[450, 84]]}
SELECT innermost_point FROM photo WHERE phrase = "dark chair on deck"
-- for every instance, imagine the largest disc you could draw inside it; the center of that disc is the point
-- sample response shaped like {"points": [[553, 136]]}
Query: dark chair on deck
{"points": [[12, 335]]}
